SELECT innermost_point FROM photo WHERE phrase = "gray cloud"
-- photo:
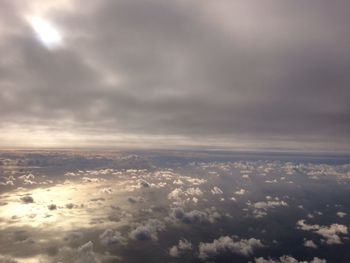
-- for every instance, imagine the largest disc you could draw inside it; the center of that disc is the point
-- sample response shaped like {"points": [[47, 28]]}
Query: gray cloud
{"points": [[147, 230], [181, 248], [195, 216], [110, 237], [86, 254], [27, 199], [188, 70]]}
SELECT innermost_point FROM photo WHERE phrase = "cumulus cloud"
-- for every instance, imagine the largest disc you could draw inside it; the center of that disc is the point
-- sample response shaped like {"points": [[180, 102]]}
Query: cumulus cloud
{"points": [[194, 191], [180, 196], [107, 190], [195, 216], [195, 181], [288, 259], [178, 182], [181, 248], [310, 244], [330, 233], [110, 237], [86, 254], [260, 208], [216, 191], [226, 244], [341, 214], [147, 230], [240, 192], [91, 180]]}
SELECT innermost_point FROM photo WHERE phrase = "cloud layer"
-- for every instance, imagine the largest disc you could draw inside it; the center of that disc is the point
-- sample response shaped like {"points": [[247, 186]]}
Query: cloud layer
{"points": [[177, 73]]}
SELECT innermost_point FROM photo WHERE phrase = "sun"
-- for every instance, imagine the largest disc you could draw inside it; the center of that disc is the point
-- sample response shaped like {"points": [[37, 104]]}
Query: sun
{"points": [[48, 35]]}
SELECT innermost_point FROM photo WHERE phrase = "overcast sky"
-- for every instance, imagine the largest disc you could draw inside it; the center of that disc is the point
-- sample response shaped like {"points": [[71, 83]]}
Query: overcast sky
{"points": [[186, 73]]}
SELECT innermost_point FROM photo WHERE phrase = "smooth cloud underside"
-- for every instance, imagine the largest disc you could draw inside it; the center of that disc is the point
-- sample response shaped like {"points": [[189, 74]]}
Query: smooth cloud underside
{"points": [[178, 72]]}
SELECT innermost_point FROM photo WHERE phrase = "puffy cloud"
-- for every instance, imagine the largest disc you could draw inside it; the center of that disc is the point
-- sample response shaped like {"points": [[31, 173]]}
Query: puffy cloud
{"points": [[180, 249], [27, 177], [86, 254], [194, 191], [269, 204], [107, 190], [8, 182], [341, 214], [216, 191], [260, 208], [195, 216], [176, 194], [226, 244], [178, 182], [27, 199], [310, 244], [91, 180], [147, 230], [110, 237], [240, 192], [70, 174], [330, 233], [195, 181], [288, 259]]}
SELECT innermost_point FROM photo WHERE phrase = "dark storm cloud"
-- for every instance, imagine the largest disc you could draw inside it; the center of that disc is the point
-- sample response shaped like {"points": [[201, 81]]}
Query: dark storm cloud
{"points": [[269, 73]]}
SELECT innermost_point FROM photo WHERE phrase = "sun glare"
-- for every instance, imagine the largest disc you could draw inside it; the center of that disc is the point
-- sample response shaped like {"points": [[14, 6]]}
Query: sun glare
{"points": [[46, 32]]}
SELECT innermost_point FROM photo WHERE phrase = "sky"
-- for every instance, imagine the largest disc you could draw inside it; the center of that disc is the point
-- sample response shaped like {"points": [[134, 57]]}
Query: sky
{"points": [[151, 73]]}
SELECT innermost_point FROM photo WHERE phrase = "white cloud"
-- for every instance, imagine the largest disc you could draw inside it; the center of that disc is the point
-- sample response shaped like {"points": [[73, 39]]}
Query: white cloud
{"points": [[91, 180], [196, 181], [177, 194], [341, 214], [178, 182], [269, 204], [216, 191], [330, 233], [288, 259], [86, 254], [240, 192], [226, 244], [260, 208], [180, 196], [194, 191], [178, 250], [195, 216], [107, 190], [110, 237], [310, 244]]}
